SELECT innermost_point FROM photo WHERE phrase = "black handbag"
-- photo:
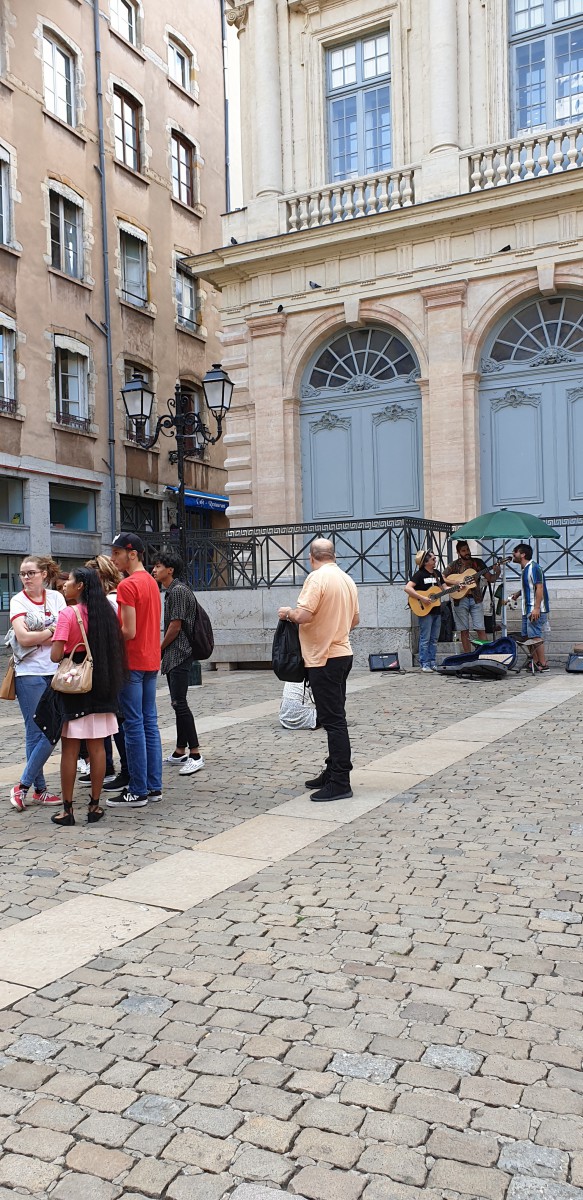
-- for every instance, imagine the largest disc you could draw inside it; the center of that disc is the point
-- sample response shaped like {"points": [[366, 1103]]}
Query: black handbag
{"points": [[575, 664], [383, 662]]}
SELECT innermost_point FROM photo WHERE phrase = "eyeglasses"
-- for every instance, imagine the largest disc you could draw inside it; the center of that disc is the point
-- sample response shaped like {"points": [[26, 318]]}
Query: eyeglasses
{"points": [[28, 574]]}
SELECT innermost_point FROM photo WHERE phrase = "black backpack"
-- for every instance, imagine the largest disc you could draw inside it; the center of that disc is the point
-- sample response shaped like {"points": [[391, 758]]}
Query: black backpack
{"points": [[286, 653], [200, 634]]}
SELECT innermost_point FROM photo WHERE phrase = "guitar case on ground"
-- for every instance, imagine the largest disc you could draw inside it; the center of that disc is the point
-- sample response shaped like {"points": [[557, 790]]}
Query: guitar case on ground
{"points": [[493, 660]]}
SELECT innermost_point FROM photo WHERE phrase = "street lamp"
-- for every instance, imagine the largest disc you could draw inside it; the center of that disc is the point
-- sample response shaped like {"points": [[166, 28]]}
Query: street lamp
{"points": [[180, 422]]}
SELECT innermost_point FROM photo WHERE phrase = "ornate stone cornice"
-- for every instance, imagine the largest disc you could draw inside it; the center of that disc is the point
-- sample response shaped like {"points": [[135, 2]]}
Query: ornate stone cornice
{"points": [[444, 295]]}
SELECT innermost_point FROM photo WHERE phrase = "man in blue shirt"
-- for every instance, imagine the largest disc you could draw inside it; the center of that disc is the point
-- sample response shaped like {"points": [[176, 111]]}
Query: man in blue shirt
{"points": [[535, 601]]}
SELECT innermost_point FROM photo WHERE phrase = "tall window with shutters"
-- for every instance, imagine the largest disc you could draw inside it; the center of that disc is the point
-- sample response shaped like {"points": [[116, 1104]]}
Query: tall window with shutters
{"points": [[127, 112], [66, 234], [58, 78], [134, 268]]}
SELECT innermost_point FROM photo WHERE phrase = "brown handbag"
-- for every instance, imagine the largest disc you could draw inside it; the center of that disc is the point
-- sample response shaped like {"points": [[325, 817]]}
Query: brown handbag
{"points": [[75, 678], [8, 685]]}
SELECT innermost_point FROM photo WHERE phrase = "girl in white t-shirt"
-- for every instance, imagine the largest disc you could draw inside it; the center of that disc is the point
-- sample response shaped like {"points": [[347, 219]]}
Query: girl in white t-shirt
{"points": [[33, 616]]}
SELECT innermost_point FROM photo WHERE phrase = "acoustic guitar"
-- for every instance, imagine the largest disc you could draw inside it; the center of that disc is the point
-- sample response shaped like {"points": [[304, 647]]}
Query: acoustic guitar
{"points": [[462, 584]]}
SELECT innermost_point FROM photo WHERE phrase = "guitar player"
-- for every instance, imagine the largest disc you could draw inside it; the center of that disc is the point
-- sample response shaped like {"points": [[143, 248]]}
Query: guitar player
{"points": [[426, 576], [468, 613]]}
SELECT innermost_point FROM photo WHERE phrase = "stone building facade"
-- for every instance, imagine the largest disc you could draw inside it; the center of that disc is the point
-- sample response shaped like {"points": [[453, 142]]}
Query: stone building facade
{"points": [[403, 288], [70, 469]]}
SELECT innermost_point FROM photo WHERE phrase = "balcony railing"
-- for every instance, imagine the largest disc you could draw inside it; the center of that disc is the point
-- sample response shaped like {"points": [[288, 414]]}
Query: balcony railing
{"points": [[8, 405], [70, 421], [384, 192], [531, 157]]}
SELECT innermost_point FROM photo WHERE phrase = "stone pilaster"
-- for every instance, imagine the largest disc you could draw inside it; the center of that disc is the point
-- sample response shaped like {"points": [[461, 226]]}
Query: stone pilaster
{"points": [[266, 85], [444, 424], [266, 370]]}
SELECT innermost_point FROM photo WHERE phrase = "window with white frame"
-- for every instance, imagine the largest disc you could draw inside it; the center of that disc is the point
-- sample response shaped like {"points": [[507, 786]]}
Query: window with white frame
{"points": [[126, 123], [66, 234], [183, 178], [359, 107], [179, 64], [186, 296], [7, 374], [5, 207], [134, 267], [134, 370], [546, 63], [71, 388], [124, 19], [59, 79]]}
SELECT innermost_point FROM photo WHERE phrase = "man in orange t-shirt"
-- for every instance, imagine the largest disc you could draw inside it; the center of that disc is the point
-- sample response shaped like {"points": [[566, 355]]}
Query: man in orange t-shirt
{"points": [[327, 610], [139, 608]]}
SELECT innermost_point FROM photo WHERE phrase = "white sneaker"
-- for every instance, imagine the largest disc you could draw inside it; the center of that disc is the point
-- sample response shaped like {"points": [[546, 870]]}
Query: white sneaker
{"points": [[174, 758], [426, 668], [83, 768], [191, 766]]}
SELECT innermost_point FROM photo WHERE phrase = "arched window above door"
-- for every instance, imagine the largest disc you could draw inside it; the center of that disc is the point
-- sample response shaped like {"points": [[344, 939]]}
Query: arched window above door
{"points": [[543, 332], [360, 360]]}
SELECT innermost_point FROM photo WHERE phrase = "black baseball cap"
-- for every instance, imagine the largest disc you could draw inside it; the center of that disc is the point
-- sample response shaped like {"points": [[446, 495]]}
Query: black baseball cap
{"points": [[129, 541]]}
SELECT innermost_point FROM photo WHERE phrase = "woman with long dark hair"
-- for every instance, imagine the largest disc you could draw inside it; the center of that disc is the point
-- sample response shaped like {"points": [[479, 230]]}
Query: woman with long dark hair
{"points": [[91, 716]]}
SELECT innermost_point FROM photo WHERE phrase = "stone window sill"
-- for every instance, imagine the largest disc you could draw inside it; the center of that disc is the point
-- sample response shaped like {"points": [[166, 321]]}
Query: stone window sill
{"points": [[127, 442], [192, 333], [70, 278], [72, 129], [7, 249], [11, 416], [91, 433], [145, 310], [119, 37], [137, 175], [192, 96], [198, 210]]}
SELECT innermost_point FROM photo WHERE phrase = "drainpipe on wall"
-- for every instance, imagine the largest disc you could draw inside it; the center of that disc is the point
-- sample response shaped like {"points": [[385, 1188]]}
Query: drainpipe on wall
{"points": [[226, 101], [106, 325]]}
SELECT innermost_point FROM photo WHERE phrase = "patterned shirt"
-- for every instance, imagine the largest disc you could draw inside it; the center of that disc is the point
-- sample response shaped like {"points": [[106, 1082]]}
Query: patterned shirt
{"points": [[532, 575], [179, 605]]}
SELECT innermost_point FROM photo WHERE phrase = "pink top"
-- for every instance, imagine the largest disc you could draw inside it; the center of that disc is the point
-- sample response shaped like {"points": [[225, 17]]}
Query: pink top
{"points": [[67, 628]]}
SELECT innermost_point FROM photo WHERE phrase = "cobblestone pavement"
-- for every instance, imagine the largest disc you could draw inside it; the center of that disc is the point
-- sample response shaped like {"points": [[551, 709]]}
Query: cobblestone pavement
{"points": [[393, 1012]]}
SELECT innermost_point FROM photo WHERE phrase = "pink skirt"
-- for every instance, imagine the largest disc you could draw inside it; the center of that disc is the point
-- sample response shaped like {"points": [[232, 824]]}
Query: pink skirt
{"points": [[94, 725]]}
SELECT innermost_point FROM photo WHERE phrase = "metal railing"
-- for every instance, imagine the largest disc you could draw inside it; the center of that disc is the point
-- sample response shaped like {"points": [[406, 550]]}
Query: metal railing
{"points": [[375, 551]]}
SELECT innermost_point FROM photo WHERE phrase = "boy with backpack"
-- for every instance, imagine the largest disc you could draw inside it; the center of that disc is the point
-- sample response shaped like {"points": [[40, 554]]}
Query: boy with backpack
{"points": [[180, 615]]}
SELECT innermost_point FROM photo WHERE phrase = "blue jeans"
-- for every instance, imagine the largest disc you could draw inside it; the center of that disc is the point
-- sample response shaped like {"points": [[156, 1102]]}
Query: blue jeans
{"points": [[142, 736], [429, 627], [29, 689]]}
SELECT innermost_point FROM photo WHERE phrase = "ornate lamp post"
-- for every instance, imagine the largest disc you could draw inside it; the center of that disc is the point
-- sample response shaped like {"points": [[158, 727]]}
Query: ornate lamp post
{"points": [[180, 422]]}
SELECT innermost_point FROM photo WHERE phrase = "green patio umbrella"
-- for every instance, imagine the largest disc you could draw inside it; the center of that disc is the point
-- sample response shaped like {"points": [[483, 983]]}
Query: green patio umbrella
{"points": [[505, 524]]}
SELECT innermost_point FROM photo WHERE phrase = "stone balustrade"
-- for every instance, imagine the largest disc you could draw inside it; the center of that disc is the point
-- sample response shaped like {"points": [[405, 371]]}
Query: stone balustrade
{"points": [[548, 153], [380, 193]]}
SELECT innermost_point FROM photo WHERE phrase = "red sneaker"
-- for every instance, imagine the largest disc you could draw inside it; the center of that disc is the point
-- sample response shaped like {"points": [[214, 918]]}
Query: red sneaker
{"points": [[17, 797], [45, 798]]}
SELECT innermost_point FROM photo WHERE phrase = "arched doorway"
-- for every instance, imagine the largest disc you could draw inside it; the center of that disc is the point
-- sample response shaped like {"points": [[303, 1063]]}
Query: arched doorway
{"points": [[361, 428], [531, 409]]}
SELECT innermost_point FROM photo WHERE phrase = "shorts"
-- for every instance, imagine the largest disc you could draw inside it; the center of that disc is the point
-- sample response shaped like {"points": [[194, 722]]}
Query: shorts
{"points": [[533, 629], [468, 614]]}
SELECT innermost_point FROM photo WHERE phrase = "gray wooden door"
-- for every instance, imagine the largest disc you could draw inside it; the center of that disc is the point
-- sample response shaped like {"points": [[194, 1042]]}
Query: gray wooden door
{"points": [[361, 430]]}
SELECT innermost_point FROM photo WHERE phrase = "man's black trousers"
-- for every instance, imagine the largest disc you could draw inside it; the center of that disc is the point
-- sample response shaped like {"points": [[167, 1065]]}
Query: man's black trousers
{"points": [[328, 684], [186, 735]]}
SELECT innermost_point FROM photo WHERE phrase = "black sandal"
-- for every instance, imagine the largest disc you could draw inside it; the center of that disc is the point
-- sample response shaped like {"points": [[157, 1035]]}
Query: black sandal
{"points": [[65, 818], [94, 812]]}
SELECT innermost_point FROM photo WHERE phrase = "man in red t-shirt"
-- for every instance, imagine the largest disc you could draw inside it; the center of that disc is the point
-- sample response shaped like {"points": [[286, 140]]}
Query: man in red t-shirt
{"points": [[139, 609]]}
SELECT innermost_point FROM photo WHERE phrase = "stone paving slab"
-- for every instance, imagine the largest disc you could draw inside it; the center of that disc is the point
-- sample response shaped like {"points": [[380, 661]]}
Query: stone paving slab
{"points": [[392, 1011]]}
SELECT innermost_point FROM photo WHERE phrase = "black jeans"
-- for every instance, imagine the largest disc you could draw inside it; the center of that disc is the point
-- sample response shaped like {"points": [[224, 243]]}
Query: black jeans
{"points": [[328, 684], [186, 734]]}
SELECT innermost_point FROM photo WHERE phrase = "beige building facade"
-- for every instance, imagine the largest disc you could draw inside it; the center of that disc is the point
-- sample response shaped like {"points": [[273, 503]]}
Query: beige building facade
{"points": [[129, 94], [403, 288]]}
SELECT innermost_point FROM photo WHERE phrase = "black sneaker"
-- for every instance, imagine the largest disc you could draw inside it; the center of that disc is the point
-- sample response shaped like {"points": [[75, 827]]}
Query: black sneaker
{"points": [[154, 797], [108, 782], [118, 781], [127, 800], [319, 781], [332, 791]]}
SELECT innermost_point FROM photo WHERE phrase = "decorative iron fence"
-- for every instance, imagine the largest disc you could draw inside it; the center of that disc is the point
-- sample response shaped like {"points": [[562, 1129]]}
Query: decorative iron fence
{"points": [[376, 551]]}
